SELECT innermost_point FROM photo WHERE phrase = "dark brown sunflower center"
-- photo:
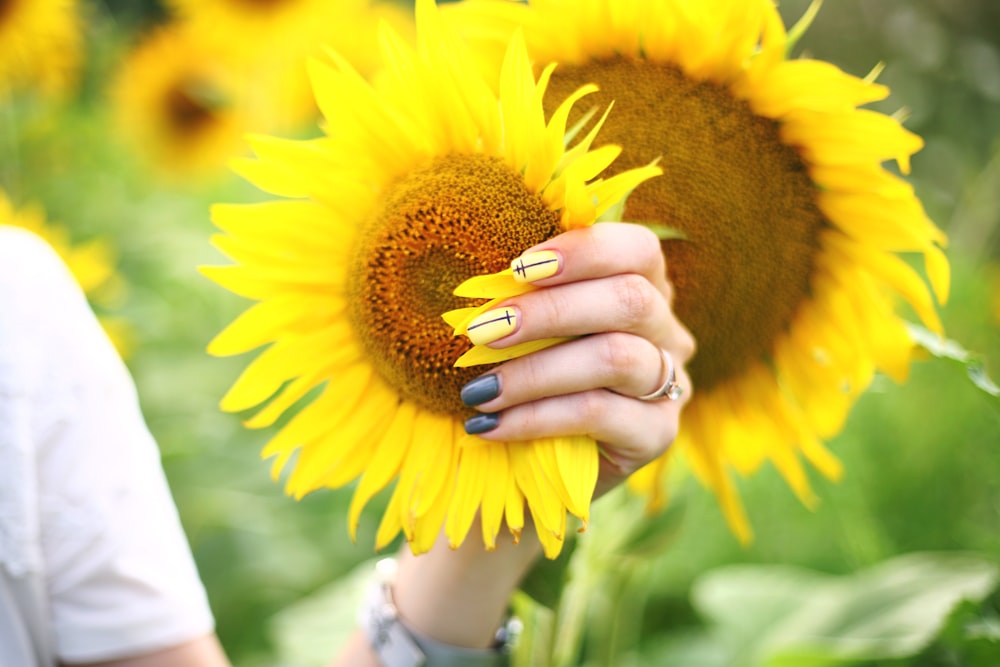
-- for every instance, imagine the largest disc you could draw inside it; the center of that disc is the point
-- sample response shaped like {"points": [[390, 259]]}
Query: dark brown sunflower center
{"points": [[6, 7], [262, 5], [459, 216], [742, 198], [189, 109]]}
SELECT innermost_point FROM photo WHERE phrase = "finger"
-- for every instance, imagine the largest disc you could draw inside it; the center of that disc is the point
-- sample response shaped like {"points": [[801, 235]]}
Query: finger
{"points": [[631, 432], [626, 302], [620, 362], [601, 250]]}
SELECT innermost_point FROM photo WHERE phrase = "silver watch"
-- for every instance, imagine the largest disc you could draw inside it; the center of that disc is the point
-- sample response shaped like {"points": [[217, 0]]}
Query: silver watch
{"points": [[396, 645]]}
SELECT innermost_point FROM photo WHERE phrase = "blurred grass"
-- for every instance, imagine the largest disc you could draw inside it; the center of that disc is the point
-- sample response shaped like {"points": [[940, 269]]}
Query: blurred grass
{"points": [[922, 460]]}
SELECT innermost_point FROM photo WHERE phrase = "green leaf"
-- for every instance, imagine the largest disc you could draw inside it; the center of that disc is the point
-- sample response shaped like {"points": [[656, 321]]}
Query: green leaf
{"points": [[614, 213], [804, 619], [664, 232], [946, 348], [977, 373], [971, 636]]}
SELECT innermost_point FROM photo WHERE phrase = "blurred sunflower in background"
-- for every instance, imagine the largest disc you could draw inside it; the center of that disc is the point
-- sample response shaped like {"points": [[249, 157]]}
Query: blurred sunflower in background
{"points": [[423, 181], [92, 263], [40, 45], [276, 38], [789, 268], [181, 104]]}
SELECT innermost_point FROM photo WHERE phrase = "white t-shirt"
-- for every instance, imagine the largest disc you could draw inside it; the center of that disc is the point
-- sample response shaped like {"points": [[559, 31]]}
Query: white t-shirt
{"points": [[94, 564]]}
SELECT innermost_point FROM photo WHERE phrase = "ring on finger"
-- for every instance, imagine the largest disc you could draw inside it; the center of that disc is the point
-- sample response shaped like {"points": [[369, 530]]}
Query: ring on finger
{"points": [[670, 389]]}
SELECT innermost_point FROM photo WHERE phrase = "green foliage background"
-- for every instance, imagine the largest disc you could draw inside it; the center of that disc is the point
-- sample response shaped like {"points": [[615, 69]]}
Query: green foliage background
{"points": [[923, 470]]}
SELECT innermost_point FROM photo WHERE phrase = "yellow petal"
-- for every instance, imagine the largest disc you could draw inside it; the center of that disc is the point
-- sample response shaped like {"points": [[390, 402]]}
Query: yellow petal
{"points": [[481, 354], [857, 137], [459, 318], [809, 84], [578, 464], [390, 526], [269, 320], [546, 507], [494, 285], [387, 460], [495, 492], [286, 359], [470, 483], [514, 501]]}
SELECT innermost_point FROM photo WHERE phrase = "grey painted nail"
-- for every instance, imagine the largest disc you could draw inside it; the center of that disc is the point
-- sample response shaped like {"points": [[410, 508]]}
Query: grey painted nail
{"points": [[482, 423], [480, 390]]}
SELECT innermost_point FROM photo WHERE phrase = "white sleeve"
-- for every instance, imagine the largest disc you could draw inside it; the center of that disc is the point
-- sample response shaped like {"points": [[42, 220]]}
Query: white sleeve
{"points": [[120, 577]]}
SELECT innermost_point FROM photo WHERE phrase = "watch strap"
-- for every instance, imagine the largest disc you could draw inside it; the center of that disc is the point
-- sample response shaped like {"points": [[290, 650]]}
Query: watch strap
{"points": [[397, 645]]}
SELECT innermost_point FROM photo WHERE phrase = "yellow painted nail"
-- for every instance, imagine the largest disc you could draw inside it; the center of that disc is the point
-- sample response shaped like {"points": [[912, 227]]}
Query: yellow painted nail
{"points": [[535, 266], [492, 325]]}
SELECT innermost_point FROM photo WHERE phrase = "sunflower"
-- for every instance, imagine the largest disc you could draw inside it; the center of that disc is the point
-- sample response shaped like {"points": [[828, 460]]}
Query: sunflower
{"points": [[180, 104], [421, 182], [92, 264], [789, 268], [277, 37], [40, 45]]}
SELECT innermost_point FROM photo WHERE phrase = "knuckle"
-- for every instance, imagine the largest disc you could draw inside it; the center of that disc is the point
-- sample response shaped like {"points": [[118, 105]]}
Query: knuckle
{"points": [[618, 357], [650, 253], [665, 438], [558, 305], [686, 346], [530, 373], [527, 419], [592, 408], [671, 292], [636, 299]]}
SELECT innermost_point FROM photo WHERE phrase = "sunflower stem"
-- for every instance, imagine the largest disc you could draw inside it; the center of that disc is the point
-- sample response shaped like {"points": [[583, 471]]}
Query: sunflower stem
{"points": [[570, 618], [534, 645]]}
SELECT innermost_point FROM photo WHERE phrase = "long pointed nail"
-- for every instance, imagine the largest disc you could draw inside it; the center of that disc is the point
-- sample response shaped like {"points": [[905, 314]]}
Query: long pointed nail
{"points": [[480, 390], [482, 423], [492, 325], [535, 266]]}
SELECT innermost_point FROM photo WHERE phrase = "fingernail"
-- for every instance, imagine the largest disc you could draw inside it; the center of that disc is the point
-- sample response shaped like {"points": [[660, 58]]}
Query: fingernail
{"points": [[480, 390], [492, 325], [535, 266], [482, 423]]}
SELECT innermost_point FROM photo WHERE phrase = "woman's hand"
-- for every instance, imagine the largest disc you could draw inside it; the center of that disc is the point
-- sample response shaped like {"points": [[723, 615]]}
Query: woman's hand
{"points": [[609, 287]]}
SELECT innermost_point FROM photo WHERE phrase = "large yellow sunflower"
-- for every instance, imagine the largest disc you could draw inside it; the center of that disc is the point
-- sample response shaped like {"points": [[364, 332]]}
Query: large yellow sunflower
{"points": [[789, 269], [92, 263], [277, 37], [181, 105], [420, 183], [40, 45]]}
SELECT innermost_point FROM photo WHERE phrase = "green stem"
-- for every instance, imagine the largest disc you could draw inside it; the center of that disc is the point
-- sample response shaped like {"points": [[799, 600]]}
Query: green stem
{"points": [[571, 616]]}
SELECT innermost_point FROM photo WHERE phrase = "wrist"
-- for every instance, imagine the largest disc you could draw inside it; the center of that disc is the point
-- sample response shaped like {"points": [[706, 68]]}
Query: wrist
{"points": [[394, 644], [460, 596]]}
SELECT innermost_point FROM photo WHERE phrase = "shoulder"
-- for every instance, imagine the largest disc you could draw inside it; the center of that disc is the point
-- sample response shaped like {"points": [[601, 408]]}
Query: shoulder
{"points": [[45, 319], [30, 267]]}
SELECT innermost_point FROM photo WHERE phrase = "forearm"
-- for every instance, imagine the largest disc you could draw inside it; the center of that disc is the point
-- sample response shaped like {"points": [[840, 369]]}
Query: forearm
{"points": [[457, 597], [460, 596]]}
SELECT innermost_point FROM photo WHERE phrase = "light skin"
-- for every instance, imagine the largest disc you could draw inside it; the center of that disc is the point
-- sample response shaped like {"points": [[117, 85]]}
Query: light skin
{"points": [[611, 291]]}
